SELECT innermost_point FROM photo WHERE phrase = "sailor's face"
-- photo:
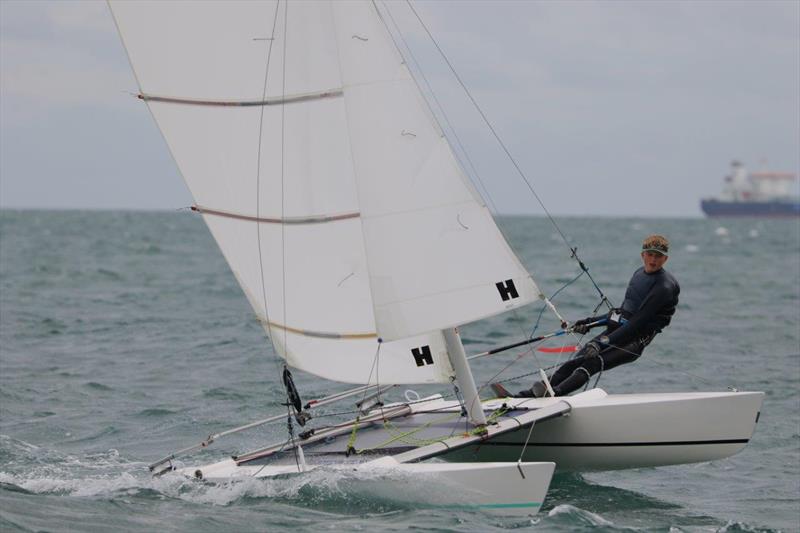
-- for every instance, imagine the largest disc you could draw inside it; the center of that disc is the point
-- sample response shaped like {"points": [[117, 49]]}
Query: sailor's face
{"points": [[653, 261]]}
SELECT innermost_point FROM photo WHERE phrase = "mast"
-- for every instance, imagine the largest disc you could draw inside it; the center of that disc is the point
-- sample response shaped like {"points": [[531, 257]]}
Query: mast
{"points": [[466, 382]]}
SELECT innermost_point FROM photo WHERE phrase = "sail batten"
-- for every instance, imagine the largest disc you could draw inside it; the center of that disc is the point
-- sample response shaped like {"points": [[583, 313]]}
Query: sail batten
{"points": [[278, 100], [315, 219], [323, 334]]}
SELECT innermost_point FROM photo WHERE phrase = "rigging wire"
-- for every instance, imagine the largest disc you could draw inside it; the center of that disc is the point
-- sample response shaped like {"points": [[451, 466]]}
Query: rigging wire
{"points": [[650, 358], [290, 426], [445, 117], [283, 177], [376, 369], [258, 165], [289, 422], [541, 312], [258, 188]]}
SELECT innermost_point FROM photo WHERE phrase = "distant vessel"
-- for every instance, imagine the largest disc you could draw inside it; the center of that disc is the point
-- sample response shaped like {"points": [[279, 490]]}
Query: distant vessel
{"points": [[754, 194]]}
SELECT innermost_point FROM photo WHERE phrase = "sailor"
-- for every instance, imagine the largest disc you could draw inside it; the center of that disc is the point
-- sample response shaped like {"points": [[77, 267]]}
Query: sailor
{"points": [[650, 302]]}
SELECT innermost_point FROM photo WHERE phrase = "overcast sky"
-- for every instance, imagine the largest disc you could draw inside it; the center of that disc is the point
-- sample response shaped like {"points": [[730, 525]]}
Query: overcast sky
{"points": [[610, 108]]}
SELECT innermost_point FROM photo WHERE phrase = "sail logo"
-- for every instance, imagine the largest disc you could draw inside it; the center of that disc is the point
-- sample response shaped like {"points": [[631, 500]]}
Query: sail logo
{"points": [[422, 356], [507, 289]]}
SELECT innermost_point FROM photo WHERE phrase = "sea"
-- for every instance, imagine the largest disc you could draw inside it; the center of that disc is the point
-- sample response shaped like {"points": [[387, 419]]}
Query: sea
{"points": [[124, 336]]}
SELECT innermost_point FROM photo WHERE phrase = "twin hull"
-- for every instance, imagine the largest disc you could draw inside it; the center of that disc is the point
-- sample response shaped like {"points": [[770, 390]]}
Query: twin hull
{"points": [[598, 431], [511, 471]]}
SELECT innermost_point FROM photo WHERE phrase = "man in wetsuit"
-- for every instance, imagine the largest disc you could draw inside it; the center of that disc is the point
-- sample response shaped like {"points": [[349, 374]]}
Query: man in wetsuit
{"points": [[650, 301]]}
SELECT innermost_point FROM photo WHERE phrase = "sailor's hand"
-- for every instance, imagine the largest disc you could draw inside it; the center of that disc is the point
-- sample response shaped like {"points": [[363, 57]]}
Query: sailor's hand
{"points": [[581, 326], [591, 350]]}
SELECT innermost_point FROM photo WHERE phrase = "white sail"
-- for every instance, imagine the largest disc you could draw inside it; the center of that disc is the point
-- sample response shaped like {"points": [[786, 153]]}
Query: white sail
{"points": [[350, 220], [436, 257], [201, 69]]}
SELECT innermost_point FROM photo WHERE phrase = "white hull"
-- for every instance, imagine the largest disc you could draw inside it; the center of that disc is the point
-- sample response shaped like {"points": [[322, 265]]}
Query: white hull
{"points": [[508, 488], [616, 431]]}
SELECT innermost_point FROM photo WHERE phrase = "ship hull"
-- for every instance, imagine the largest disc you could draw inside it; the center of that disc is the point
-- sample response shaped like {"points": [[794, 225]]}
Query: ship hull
{"points": [[717, 208]]}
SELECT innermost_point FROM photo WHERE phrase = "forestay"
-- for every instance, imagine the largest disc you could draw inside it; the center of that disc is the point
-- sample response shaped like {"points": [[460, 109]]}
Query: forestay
{"points": [[351, 219]]}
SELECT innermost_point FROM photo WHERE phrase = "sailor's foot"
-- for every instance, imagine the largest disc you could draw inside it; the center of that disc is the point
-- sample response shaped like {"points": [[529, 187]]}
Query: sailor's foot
{"points": [[500, 391], [539, 390]]}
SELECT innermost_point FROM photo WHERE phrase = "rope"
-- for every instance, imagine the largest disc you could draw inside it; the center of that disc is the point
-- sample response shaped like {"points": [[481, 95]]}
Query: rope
{"points": [[656, 361], [283, 176], [651, 358], [553, 297], [404, 437], [356, 411], [290, 429], [374, 368], [599, 374], [290, 426], [258, 167], [525, 446], [352, 440]]}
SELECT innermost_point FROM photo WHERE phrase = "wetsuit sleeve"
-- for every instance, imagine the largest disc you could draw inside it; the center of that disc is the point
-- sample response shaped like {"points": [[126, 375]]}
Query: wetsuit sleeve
{"points": [[590, 319], [636, 325]]}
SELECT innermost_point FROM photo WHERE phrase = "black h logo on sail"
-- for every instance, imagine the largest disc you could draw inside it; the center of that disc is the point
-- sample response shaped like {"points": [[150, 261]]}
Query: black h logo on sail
{"points": [[507, 289], [422, 355]]}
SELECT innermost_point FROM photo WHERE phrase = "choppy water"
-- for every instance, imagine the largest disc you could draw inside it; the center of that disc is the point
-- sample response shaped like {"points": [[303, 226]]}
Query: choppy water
{"points": [[124, 336]]}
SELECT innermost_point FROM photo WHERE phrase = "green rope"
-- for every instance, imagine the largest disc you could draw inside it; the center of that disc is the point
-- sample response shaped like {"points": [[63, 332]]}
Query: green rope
{"points": [[406, 437], [352, 440]]}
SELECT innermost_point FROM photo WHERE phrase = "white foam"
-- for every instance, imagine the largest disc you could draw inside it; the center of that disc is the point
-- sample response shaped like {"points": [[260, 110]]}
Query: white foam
{"points": [[81, 487], [106, 475], [591, 518]]}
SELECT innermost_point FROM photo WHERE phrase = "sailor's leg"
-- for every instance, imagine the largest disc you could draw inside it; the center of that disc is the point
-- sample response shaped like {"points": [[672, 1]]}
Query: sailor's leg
{"points": [[568, 368], [613, 357], [606, 360], [565, 370], [574, 374], [539, 389], [579, 376]]}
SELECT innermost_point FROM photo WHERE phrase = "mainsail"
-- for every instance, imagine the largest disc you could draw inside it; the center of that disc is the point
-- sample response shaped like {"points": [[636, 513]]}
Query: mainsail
{"points": [[324, 179]]}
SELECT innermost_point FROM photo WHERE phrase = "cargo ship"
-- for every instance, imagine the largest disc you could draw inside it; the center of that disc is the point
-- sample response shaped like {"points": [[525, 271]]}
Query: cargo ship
{"points": [[755, 194]]}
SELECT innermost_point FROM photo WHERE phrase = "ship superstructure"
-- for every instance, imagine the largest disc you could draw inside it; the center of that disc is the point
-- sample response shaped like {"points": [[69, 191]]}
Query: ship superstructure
{"points": [[762, 193]]}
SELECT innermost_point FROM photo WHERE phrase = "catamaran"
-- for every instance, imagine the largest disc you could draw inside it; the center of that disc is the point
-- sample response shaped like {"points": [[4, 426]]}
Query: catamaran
{"points": [[362, 245]]}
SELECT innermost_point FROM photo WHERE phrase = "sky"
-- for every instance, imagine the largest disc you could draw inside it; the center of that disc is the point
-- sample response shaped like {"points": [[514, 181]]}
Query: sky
{"points": [[608, 108]]}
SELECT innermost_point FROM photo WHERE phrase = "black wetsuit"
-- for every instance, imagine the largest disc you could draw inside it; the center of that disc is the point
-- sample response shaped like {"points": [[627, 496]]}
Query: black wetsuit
{"points": [[650, 302]]}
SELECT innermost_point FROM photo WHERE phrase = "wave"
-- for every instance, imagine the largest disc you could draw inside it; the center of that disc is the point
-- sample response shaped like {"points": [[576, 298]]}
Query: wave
{"points": [[102, 478], [33, 470], [578, 517]]}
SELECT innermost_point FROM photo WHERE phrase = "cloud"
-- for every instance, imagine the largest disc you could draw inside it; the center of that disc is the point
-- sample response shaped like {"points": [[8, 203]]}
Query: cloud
{"points": [[82, 16], [600, 102], [61, 54]]}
